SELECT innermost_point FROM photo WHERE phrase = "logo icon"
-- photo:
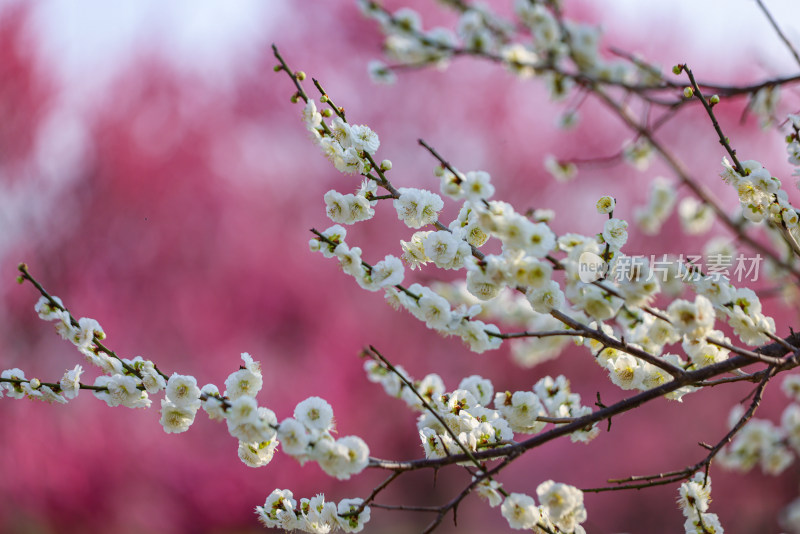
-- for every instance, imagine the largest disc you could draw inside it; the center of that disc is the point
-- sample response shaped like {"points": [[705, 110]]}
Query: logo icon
{"points": [[591, 267]]}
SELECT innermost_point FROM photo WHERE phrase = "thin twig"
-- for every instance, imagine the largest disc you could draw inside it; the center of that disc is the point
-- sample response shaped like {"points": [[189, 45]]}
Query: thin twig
{"points": [[777, 29]]}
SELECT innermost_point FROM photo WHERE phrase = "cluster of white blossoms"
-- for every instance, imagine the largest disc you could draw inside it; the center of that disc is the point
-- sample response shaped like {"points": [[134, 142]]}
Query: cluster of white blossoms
{"points": [[513, 310], [718, 298], [762, 443], [467, 413], [532, 279], [760, 194], [535, 280], [421, 301], [125, 382], [694, 499], [527, 263], [531, 253], [307, 436], [561, 509], [555, 51], [345, 145], [351, 208], [314, 515]]}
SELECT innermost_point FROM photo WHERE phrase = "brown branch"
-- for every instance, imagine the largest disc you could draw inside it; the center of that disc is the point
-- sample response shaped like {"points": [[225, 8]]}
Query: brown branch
{"points": [[25, 275], [723, 140], [705, 463], [689, 378], [609, 341]]}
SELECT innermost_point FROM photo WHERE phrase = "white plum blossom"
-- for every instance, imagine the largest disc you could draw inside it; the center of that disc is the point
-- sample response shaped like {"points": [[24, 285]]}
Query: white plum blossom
{"points": [[540, 240], [485, 279], [246, 382], [488, 489], [519, 59], [414, 251], [212, 404], [347, 209], [520, 511], [311, 117], [349, 161], [477, 186], [704, 524], [13, 390], [343, 458], [417, 207], [615, 233], [693, 320], [350, 259], [47, 311], [152, 380], [385, 273], [121, 390], [521, 409], [316, 515], [480, 388], [562, 504], [434, 310], [352, 523], [340, 131], [70, 382], [605, 205], [257, 454], [336, 234], [443, 248], [475, 334], [315, 414], [626, 371], [278, 504], [294, 437], [524, 270], [182, 391], [546, 298], [176, 419], [249, 422], [695, 495], [364, 139]]}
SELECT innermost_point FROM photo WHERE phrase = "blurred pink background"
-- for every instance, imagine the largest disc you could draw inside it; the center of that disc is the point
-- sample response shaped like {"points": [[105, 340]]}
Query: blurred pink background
{"points": [[155, 176]]}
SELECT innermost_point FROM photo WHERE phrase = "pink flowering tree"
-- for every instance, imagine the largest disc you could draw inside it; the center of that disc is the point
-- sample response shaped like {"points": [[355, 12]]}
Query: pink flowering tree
{"points": [[575, 304]]}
